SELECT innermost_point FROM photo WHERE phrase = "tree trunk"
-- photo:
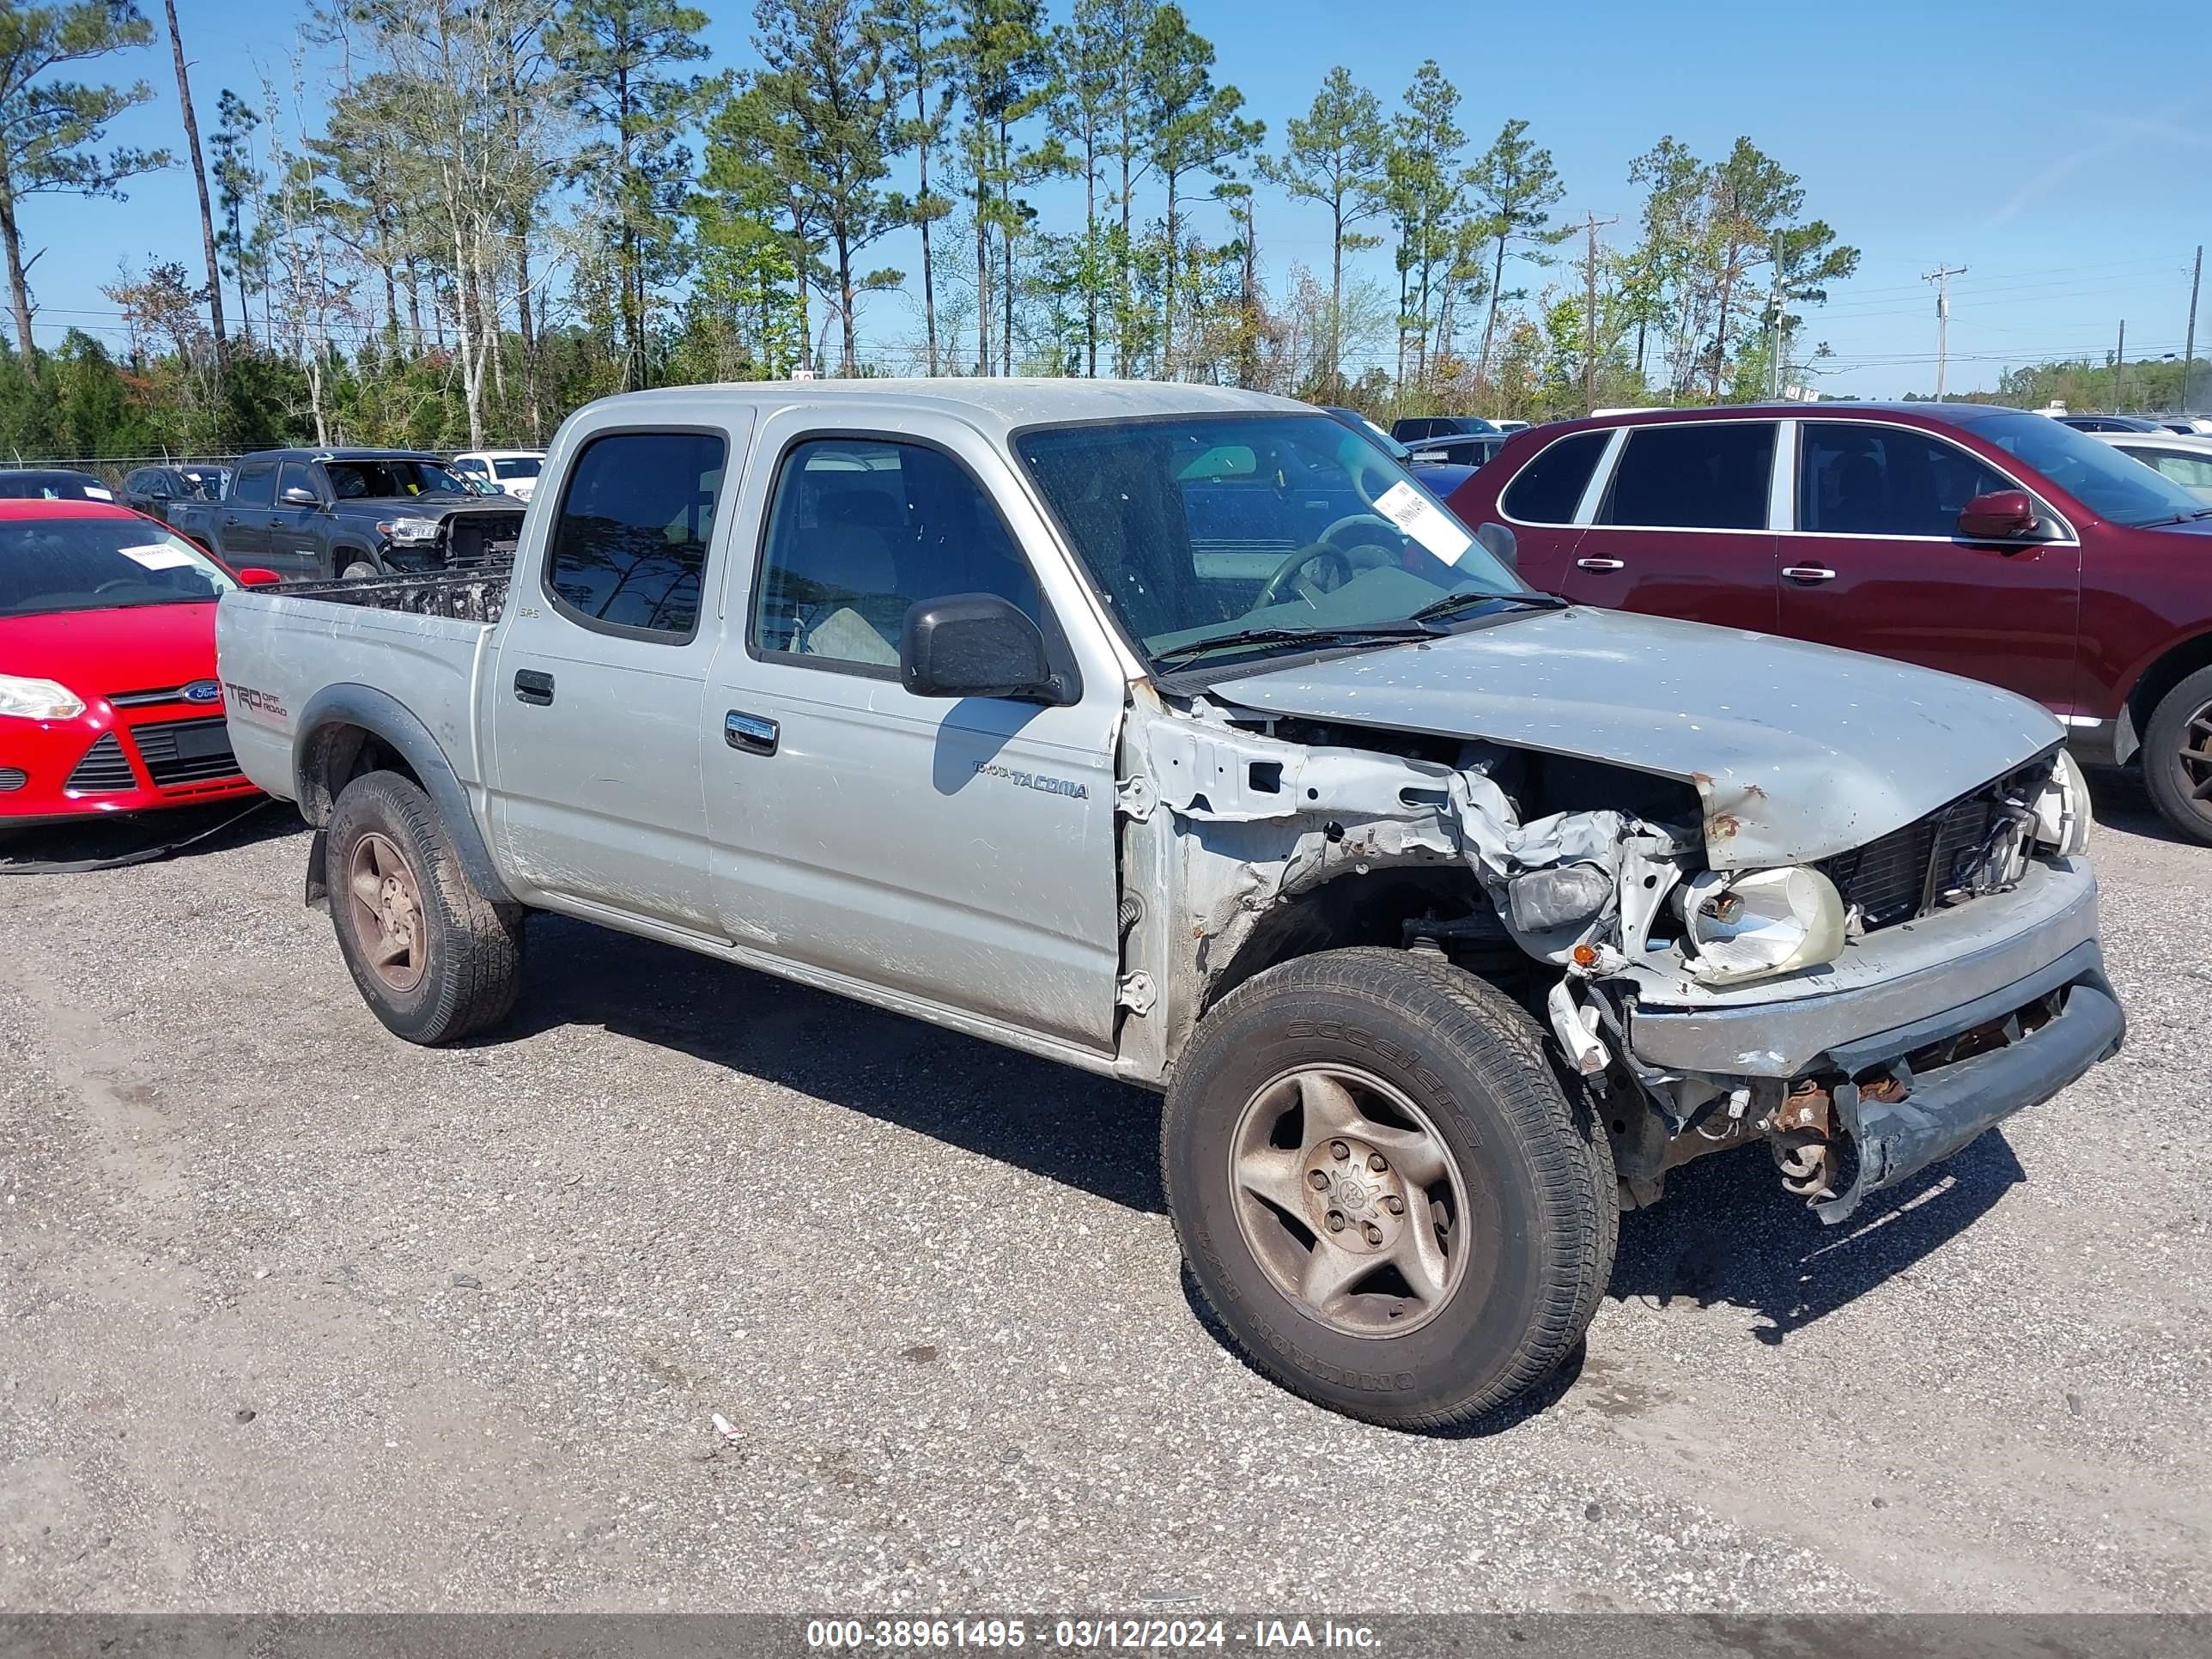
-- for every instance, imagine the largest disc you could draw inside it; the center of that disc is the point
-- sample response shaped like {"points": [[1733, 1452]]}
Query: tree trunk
{"points": [[1336, 300], [200, 179], [529, 334], [472, 366], [850, 364], [1121, 304], [928, 275], [1720, 328], [1248, 343], [982, 282], [1167, 308], [1007, 245], [1090, 254], [1490, 322], [19, 284]]}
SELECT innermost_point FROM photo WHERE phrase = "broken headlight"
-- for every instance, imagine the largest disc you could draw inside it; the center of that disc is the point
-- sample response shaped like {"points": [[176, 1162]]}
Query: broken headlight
{"points": [[2061, 808], [1762, 922]]}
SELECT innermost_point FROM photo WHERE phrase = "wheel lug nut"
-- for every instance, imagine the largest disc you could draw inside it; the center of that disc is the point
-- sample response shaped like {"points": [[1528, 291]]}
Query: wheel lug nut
{"points": [[1339, 1151], [1375, 1163], [1394, 1204], [1373, 1233], [1336, 1221], [1317, 1180]]}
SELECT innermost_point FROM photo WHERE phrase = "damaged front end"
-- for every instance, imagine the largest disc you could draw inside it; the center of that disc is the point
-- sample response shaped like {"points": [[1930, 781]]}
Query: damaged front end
{"points": [[1606, 898]]}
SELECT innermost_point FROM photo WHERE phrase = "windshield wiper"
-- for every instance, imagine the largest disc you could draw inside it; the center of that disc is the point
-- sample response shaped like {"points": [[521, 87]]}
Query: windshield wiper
{"points": [[1189, 649], [1452, 604]]}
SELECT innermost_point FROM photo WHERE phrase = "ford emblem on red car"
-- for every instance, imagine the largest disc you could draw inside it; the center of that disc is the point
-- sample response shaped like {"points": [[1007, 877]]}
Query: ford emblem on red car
{"points": [[204, 691]]}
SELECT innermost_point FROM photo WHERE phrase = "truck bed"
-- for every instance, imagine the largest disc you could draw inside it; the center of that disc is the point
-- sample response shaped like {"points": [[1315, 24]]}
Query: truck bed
{"points": [[420, 641], [474, 596]]}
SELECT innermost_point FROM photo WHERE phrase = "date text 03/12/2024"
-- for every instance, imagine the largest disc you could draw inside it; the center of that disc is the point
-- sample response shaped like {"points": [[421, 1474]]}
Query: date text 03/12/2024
{"points": [[1085, 1635]]}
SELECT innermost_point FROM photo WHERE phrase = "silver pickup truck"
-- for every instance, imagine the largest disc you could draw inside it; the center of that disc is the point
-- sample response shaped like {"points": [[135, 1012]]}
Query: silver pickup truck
{"points": [[1177, 734]]}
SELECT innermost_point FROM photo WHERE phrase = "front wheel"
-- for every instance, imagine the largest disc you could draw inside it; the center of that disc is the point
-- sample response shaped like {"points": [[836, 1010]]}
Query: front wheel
{"points": [[359, 567], [434, 959], [2176, 756], [1381, 1189]]}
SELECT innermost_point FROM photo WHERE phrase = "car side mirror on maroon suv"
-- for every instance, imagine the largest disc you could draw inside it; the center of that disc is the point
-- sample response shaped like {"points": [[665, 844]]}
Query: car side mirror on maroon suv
{"points": [[1999, 516]]}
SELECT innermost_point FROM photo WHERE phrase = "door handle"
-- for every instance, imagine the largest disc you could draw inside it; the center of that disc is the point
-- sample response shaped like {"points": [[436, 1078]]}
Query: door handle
{"points": [[532, 687], [750, 732], [1809, 573], [230, 524], [1600, 564]]}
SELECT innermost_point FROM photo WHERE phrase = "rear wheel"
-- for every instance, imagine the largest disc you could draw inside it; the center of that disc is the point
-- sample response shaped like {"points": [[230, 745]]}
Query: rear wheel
{"points": [[434, 959], [2176, 756], [1381, 1189]]}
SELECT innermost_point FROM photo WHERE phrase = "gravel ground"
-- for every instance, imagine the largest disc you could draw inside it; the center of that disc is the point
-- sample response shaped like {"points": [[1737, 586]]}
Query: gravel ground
{"points": [[297, 1316]]}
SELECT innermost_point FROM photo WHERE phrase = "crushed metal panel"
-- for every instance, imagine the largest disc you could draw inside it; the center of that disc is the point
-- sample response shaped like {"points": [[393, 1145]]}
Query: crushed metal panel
{"points": [[1792, 748]]}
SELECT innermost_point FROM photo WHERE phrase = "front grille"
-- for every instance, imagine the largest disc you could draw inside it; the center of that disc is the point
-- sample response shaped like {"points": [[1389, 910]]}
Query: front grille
{"points": [[104, 769], [12, 779], [185, 751], [144, 699], [1910, 871], [482, 537]]}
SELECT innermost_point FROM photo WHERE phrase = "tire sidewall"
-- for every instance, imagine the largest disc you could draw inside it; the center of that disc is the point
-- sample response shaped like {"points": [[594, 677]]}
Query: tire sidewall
{"points": [[386, 805], [2161, 757], [1481, 1332]]}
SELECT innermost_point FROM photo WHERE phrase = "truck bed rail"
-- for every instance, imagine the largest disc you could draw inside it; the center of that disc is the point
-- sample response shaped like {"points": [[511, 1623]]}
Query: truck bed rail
{"points": [[476, 596]]}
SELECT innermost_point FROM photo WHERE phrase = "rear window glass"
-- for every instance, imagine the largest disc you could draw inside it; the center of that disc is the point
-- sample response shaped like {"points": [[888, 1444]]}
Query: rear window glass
{"points": [[1548, 489], [629, 548], [1704, 475]]}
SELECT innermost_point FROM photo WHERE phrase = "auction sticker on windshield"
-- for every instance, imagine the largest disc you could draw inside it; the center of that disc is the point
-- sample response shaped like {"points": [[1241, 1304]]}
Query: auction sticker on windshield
{"points": [[156, 556], [1424, 520]]}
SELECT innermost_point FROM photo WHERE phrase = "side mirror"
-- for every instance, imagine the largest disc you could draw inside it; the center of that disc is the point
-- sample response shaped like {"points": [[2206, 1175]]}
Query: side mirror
{"points": [[298, 495], [254, 576], [1999, 516], [974, 645], [1501, 545]]}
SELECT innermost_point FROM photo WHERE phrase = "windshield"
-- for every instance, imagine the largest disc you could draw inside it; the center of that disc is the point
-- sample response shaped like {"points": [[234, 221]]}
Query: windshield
{"points": [[1204, 526], [389, 480], [2112, 485], [100, 564], [517, 466]]}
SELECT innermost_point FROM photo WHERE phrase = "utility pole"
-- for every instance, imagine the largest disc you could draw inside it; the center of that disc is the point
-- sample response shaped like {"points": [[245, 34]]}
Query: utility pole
{"points": [[1590, 315], [2119, 365], [1941, 276], [2189, 351]]}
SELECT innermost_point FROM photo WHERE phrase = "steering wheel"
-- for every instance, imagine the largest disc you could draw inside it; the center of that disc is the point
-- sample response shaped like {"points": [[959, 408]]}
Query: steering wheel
{"points": [[1279, 585], [1353, 520]]}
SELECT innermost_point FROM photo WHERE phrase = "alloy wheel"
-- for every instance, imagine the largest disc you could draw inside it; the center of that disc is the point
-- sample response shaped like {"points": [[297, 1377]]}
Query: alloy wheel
{"points": [[1351, 1203], [388, 912]]}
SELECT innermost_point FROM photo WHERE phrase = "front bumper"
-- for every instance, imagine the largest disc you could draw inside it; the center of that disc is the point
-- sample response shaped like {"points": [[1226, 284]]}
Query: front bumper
{"points": [[2022, 969], [41, 779], [1949, 1105]]}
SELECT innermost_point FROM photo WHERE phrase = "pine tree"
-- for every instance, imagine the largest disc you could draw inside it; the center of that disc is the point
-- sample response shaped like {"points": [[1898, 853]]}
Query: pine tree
{"points": [[1335, 156], [48, 128]]}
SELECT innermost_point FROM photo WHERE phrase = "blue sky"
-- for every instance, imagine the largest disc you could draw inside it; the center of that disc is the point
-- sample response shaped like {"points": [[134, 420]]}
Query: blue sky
{"points": [[2061, 152]]}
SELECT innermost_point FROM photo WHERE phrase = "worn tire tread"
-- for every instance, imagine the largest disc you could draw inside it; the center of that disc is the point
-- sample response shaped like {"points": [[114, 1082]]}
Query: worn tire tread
{"points": [[482, 941], [1573, 1155]]}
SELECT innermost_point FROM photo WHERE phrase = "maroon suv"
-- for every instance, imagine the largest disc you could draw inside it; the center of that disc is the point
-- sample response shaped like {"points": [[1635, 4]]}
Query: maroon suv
{"points": [[1990, 542]]}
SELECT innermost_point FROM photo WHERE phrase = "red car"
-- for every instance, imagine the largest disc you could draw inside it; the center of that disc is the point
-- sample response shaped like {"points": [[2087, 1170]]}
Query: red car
{"points": [[1990, 542], [108, 696]]}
